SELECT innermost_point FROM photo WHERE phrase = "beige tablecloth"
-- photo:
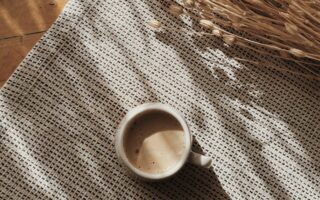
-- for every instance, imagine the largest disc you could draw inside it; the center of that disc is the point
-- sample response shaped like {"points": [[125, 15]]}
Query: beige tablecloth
{"points": [[60, 110]]}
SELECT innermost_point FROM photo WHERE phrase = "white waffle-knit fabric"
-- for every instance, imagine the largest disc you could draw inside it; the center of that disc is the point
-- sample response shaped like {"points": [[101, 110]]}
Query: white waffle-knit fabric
{"points": [[60, 110]]}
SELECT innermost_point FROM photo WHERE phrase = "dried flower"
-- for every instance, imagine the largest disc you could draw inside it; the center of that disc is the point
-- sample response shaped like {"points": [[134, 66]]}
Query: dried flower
{"points": [[297, 52], [236, 25], [284, 15], [291, 28], [256, 2], [206, 23], [154, 24], [217, 32], [229, 39], [175, 9], [188, 3], [275, 25]]}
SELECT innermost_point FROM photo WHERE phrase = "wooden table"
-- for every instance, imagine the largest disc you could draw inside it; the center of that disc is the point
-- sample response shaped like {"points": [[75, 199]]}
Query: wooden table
{"points": [[22, 23]]}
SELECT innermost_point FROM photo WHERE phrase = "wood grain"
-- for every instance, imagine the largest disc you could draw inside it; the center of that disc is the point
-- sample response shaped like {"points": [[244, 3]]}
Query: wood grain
{"points": [[22, 23], [12, 52]]}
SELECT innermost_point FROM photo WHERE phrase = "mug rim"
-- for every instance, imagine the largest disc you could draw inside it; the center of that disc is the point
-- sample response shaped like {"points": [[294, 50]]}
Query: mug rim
{"points": [[124, 125]]}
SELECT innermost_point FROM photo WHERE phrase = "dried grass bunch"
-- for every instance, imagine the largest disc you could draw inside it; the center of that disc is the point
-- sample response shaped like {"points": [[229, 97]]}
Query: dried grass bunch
{"points": [[290, 28]]}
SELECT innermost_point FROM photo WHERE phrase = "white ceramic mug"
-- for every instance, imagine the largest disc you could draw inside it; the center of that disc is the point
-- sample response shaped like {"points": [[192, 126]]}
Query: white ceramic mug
{"points": [[188, 155]]}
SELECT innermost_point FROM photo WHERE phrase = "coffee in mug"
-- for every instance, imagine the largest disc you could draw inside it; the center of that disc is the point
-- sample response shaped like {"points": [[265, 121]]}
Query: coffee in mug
{"points": [[154, 142]]}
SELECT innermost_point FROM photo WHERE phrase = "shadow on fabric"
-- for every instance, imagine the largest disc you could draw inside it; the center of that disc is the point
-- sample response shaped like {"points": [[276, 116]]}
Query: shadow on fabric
{"points": [[201, 184], [278, 99]]}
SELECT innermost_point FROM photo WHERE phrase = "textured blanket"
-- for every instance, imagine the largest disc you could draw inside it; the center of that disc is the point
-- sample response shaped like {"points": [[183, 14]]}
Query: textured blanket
{"points": [[60, 110]]}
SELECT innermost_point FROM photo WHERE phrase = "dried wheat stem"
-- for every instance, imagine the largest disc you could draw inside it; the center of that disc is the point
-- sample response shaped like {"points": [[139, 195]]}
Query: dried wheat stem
{"points": [[259, 64], [191, 31], [304, 10], [291, 28]]}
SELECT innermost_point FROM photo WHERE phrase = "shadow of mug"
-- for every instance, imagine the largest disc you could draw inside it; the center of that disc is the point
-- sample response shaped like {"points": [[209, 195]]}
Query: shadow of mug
{"points": [[192, 182]]}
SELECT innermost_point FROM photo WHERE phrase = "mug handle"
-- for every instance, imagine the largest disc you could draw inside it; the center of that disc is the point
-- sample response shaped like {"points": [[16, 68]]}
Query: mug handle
{"points": [[200, 160]]}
